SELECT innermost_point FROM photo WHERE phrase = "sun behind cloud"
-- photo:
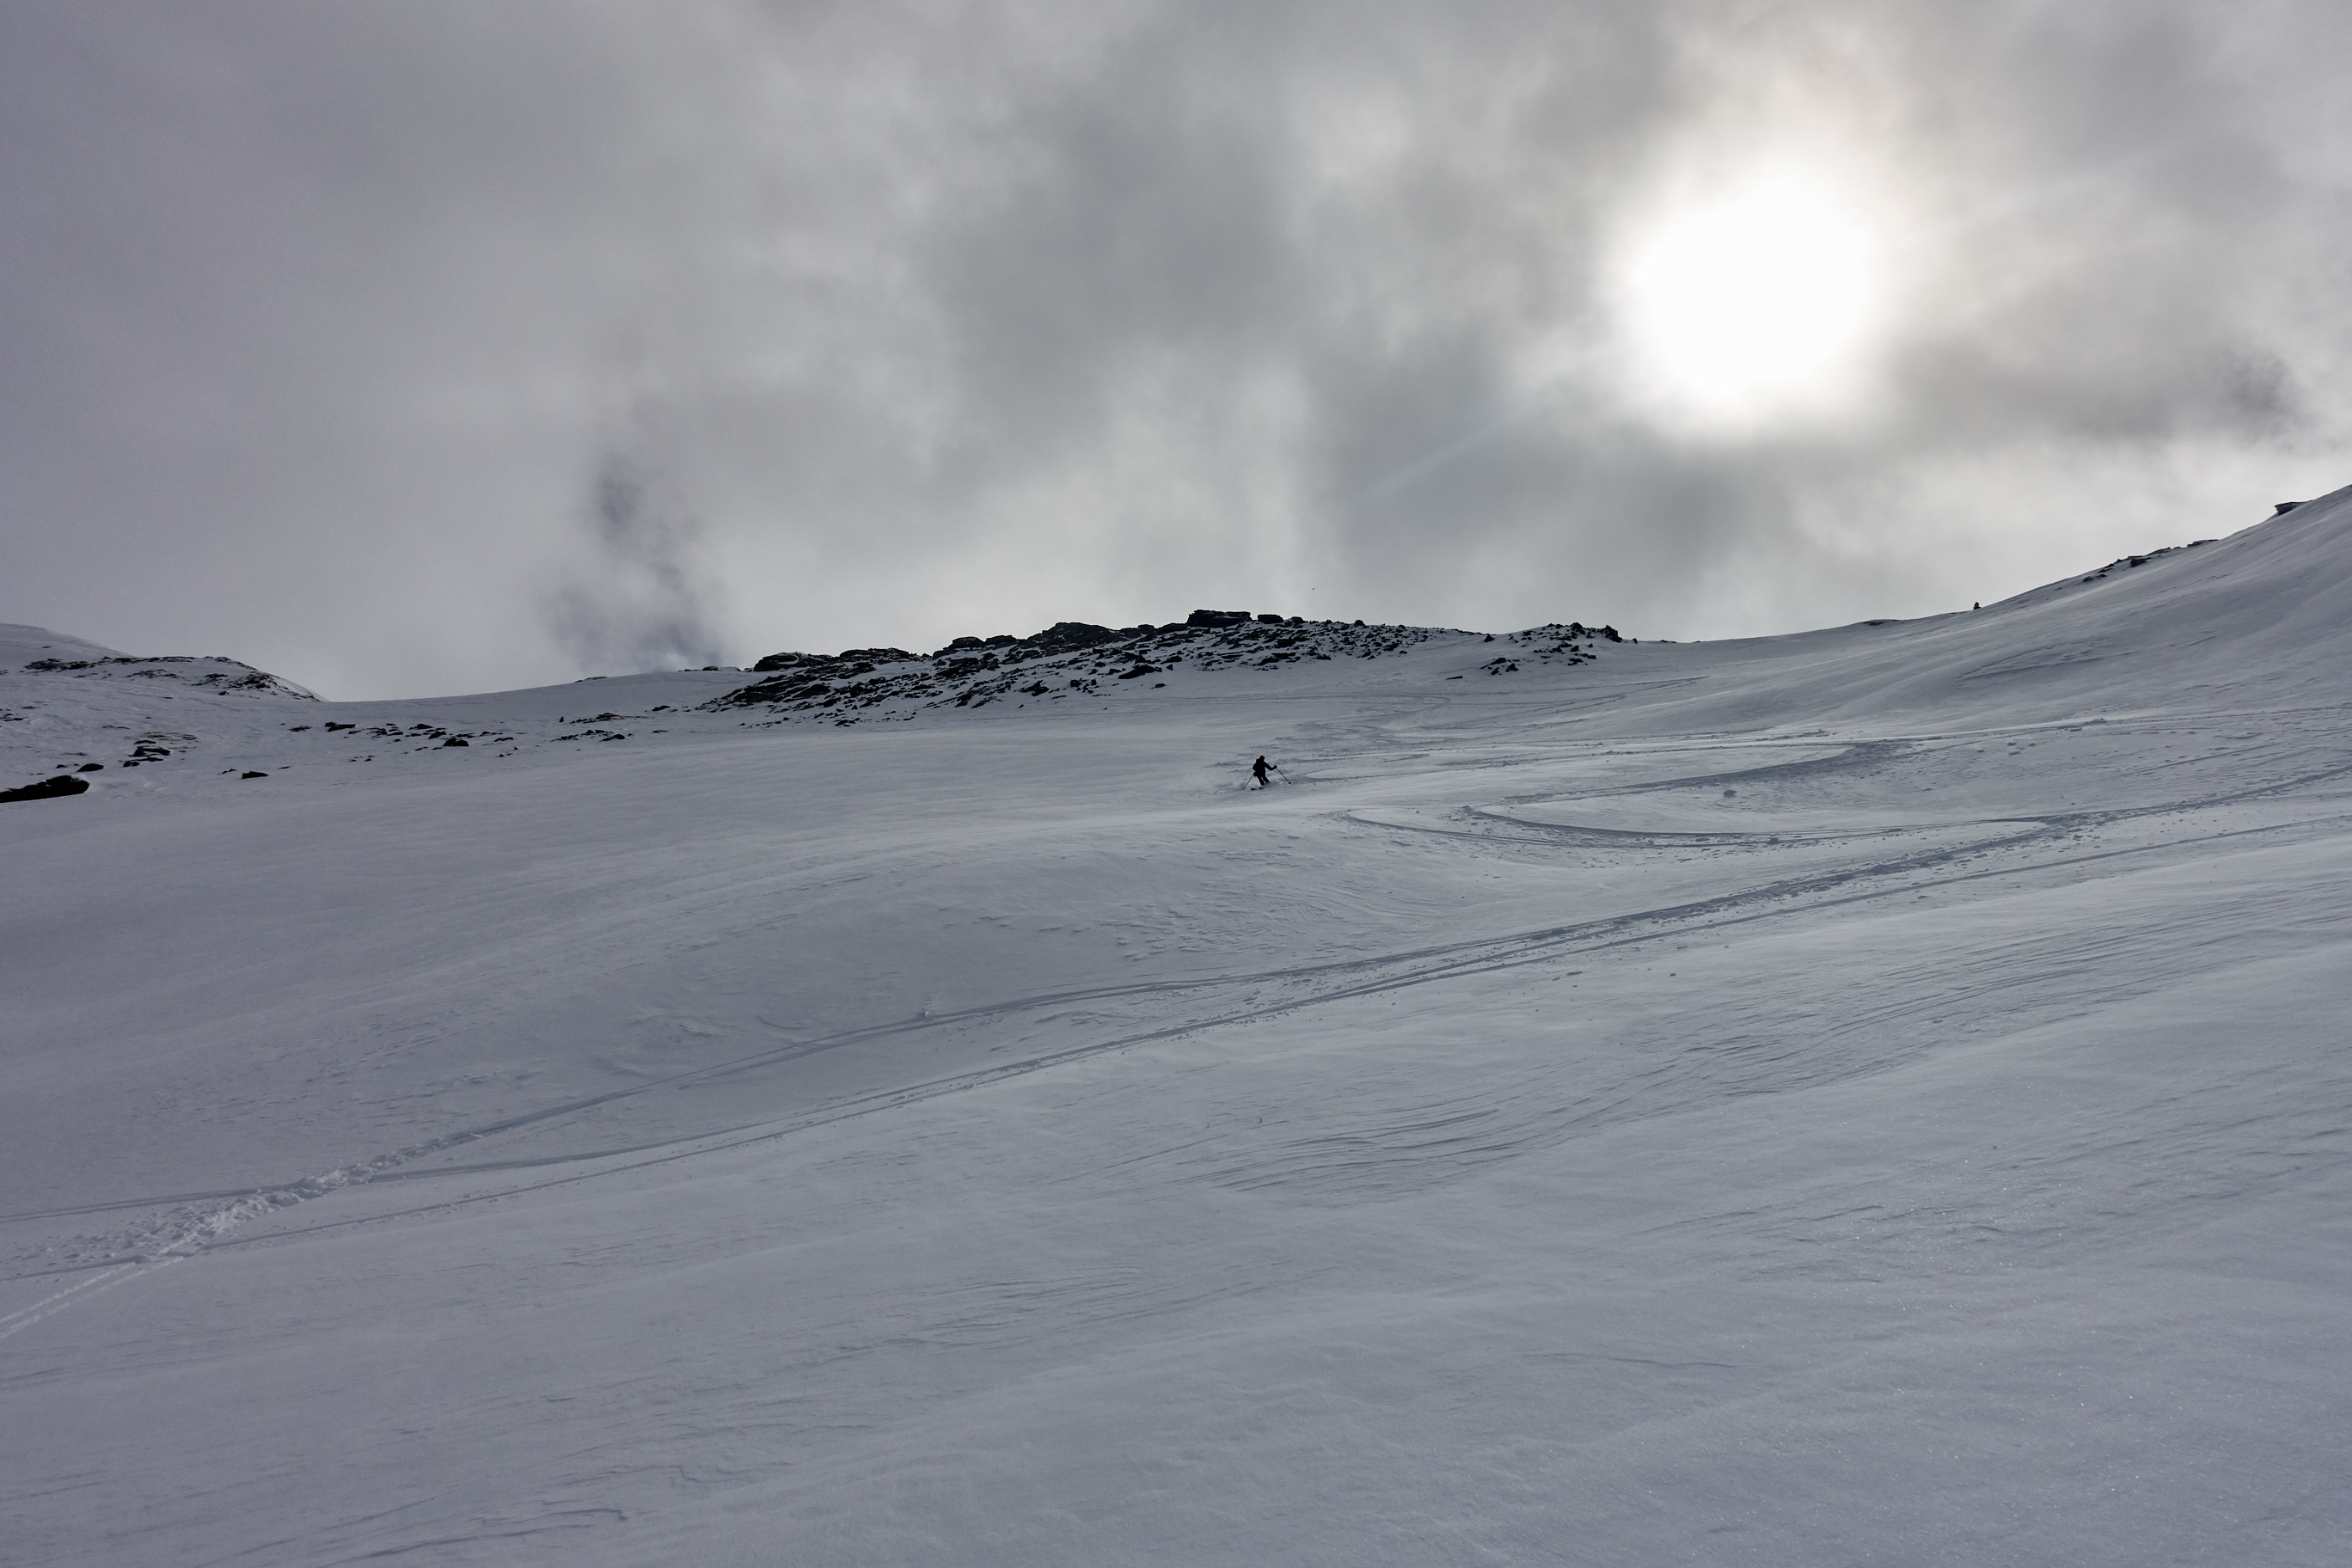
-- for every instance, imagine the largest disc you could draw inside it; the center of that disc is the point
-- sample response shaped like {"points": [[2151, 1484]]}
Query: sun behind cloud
{"points": [[1752, 303]]}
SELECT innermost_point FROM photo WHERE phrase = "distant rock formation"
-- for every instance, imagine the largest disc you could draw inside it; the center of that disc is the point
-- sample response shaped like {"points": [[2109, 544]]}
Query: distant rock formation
{"points": [[972, 672], [211, 674]]}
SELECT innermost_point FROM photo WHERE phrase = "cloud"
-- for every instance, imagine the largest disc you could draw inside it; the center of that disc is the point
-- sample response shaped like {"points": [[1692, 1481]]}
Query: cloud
{"points": [[638, 604], [939, 318]]}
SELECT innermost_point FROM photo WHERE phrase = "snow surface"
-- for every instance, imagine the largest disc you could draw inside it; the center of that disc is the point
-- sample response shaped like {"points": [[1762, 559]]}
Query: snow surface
{"points": [[1877, 1096]]}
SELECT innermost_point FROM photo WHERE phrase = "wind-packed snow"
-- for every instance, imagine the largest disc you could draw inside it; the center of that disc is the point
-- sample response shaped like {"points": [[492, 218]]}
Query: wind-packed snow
{"points": [[1878, 1096]]}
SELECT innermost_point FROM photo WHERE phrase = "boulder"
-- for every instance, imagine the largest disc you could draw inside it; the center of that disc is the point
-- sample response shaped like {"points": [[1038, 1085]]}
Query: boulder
{"points": [[64, 784]]}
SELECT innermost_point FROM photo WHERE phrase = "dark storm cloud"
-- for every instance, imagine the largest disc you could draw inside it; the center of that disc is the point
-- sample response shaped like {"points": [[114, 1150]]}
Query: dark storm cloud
{"points": [[2090, 205], [937, 318]]}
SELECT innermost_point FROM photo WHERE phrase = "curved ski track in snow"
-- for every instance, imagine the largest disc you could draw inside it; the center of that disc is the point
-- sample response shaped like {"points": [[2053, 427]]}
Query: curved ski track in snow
{"points": [[1913, 871]]}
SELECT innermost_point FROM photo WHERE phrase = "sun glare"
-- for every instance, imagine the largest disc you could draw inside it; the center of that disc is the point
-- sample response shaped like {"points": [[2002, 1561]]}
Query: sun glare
{"points": [[1754, 304]]}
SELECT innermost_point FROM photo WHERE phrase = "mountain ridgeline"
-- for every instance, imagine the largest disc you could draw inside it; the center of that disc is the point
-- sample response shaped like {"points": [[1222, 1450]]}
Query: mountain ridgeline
{"points": [[1073, 659]]}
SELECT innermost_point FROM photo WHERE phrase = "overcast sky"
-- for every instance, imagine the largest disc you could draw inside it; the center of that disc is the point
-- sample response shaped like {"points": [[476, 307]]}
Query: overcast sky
{"points": [[411, 347]]}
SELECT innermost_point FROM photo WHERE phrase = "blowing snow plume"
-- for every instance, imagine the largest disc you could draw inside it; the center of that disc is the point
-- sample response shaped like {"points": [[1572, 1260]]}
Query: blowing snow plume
{"points": [[641, 608]]}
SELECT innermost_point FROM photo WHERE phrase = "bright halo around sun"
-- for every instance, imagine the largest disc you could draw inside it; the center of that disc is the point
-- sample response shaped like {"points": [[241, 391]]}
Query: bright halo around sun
{"points": [[1755, 305]]}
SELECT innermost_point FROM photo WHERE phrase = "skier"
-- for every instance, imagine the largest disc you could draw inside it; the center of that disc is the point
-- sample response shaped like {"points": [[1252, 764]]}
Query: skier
{"points": [[1258, 768]]}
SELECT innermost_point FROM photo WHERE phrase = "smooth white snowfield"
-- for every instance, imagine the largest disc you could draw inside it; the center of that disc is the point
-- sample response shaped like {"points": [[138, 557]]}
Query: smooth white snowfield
{"points": [[1880, 1096]]}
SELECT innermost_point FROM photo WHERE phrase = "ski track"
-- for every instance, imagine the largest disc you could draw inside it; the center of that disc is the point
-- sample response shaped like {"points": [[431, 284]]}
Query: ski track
{"points": [[174, 1239]]}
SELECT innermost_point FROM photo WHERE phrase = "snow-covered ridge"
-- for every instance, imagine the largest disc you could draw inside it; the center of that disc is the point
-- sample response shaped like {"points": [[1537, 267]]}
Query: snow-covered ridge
{"points": [[68, 706], [134, 713], [214, 673], [35, 651], [2259, 606]]}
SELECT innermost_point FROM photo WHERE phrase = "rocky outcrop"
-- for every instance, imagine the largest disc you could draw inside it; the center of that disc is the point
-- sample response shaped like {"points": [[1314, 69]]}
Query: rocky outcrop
{"points": [[47, 789], [211, 674], [1068, 659]]}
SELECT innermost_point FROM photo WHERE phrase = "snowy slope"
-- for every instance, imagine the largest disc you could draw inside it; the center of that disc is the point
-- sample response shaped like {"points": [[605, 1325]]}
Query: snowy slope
{"points": [[1878, 1095]]}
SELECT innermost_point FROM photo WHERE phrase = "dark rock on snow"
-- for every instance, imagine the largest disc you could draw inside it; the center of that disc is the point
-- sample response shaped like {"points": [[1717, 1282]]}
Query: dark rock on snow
{"points": [[972, 672], [64, 784], [1066, 637]]}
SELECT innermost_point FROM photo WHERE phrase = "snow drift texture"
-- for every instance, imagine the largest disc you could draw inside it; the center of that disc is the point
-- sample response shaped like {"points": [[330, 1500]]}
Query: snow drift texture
{"points": [[1876, 1095]]}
